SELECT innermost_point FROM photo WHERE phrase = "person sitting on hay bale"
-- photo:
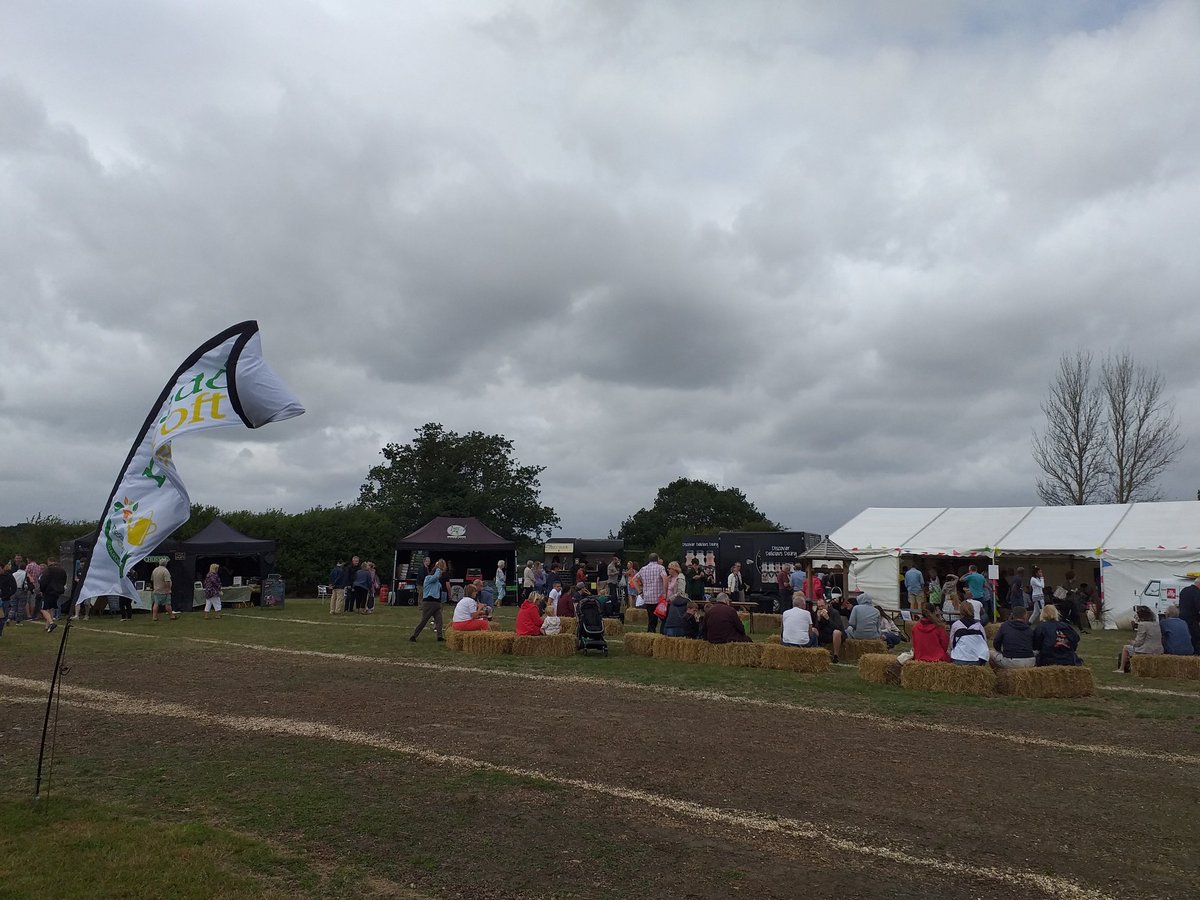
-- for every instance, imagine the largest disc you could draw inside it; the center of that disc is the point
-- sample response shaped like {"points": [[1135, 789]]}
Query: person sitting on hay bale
{"points": [[469, 614], [830, 630], [693, 621], [673, 624], [968, 642], [1147, 641], [1055, 641], [889, 630], [930, 641], [863, 624], [798, 629], [529, 616], [721, 623], [1176, 639], [1014, 642]]}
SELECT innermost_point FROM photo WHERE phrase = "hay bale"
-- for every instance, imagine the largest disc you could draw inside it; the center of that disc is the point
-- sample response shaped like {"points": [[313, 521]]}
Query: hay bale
{"points": [[487, 643], [748, 655], [879, 668], [947, 678], [568, 624], [795, 659], [613, 628], [767, 622], [635, 615], [544, 645], [992, 629], [641, 643], [775, 639], [454, 639], [855, 648], [682, 650], [1166, 666], [1046, 681]]}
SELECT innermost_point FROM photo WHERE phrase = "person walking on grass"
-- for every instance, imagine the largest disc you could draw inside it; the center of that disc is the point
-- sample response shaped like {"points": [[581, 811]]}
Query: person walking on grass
{"points": [[160, 590], [212, 591], [52, 584], [500, 581], [431, 601]]}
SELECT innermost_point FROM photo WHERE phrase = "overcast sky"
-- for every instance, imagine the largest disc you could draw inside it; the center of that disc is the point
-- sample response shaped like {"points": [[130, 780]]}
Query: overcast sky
{"points": [[827, 253]]}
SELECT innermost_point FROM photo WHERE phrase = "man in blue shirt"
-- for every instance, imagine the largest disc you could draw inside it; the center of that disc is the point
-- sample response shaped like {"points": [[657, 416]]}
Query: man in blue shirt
{"points": [[914, 583], [1175, 637]]}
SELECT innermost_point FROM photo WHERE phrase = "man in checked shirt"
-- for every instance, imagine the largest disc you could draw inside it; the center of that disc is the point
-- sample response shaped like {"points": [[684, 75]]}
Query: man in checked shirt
{"points": [[653, 579]]}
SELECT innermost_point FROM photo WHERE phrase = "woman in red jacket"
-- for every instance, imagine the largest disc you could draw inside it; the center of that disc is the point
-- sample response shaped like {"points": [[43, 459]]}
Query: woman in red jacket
{"points": [[930, 641], [529, 616]]}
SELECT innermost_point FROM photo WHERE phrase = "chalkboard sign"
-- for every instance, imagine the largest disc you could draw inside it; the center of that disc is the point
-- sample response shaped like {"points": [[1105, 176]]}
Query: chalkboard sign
{"points": [[272, 592]]}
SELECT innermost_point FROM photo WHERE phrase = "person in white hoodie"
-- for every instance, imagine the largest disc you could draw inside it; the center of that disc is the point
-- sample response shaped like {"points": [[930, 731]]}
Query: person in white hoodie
{"points": [[968, 640]]}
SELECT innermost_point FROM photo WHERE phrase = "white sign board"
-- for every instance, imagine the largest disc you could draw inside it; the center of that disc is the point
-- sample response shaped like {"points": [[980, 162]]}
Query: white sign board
{"points": [[993, 573]]}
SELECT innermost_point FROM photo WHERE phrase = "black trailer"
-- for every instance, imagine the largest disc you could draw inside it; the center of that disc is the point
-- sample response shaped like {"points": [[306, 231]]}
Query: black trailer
{"points": [[593, 554], [761, 553]]}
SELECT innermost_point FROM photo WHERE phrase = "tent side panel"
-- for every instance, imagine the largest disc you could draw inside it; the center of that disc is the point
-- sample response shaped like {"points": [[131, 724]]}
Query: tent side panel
{"points": [[1129, 571], [879, 575]]}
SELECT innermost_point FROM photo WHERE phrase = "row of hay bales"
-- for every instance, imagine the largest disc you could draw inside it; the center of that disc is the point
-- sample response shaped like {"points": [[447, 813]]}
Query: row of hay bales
{"points": [[947, 678], [853, 649], [505, 643], [1166, 666], [747, 655]]}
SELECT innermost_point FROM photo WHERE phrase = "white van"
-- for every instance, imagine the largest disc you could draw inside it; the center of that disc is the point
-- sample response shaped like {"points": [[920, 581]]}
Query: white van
{"points": [[1160, 593]]}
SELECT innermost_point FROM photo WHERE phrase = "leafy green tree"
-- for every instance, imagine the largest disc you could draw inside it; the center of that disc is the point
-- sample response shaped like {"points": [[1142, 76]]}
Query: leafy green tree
{"points": [[691, 506], [441, 473]]}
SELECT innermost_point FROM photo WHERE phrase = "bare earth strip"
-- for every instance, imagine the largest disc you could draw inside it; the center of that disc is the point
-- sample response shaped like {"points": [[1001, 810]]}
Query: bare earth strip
{"points": [[862, 844], [1025, 740]]}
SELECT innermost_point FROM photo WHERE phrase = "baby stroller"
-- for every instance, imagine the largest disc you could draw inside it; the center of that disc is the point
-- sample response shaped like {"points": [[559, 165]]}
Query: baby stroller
{"points": [[589, 627]]}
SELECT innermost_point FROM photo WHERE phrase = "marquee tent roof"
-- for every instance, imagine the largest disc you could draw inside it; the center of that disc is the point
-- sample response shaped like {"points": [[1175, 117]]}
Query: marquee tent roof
{"points": [[454, 533], [220, 539], [1062, 529]]}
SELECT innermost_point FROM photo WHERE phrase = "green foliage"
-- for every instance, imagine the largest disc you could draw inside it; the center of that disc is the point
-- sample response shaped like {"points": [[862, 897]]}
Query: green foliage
{"points": [[441, 473], [40, 537], [311, 542], [691, 506]]}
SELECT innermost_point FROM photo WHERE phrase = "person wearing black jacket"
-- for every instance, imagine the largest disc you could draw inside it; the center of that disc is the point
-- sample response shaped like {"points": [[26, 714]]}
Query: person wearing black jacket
{"points": [[1013, 643], [1055, 641], [1189, 612], [52, 584], [830, 628], [8, 587]]}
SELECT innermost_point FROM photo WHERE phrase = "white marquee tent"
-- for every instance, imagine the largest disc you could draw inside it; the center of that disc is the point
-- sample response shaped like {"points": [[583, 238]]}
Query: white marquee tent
{"points": [[1134, 543]]}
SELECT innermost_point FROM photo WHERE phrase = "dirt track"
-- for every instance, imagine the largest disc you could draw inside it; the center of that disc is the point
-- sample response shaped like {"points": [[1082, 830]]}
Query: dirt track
{"points": [[967, 800]]}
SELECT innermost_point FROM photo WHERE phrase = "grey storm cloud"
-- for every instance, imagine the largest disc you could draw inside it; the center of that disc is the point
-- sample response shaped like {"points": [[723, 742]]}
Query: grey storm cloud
{"points": [[827, 255]]}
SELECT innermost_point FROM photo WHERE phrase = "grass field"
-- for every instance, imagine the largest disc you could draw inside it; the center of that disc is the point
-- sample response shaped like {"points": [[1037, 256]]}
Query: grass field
{"points": [[289, 753]]}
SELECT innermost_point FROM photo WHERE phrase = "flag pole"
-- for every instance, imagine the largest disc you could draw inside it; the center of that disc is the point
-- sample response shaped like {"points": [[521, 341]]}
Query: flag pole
{"points": [[58, 669]]}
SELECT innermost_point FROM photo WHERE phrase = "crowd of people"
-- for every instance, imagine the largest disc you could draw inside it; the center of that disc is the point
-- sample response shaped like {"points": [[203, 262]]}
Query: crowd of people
{"points": [[30, 591]]}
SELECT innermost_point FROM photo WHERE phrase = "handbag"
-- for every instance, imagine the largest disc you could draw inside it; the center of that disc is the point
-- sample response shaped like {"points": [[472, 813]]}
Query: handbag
{"points": [[660, 609]]}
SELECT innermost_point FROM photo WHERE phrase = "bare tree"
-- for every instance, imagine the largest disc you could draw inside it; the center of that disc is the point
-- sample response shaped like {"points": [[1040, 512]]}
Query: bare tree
{"points": [[1071, 451], [1143, 433]]}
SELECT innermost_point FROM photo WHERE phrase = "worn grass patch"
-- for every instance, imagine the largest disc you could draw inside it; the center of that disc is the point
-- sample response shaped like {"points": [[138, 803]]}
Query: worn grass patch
{"points": [[544, 645], [114, 853]]}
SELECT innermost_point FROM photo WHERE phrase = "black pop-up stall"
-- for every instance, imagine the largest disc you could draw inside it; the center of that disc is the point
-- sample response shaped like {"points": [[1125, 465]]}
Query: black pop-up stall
{"points": [[240, 557], [471, 549]]}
